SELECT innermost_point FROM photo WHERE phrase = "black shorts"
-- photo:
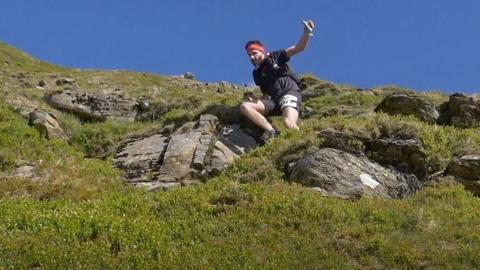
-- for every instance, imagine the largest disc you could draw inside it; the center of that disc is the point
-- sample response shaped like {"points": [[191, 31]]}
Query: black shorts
{"points": [[291, 98]]}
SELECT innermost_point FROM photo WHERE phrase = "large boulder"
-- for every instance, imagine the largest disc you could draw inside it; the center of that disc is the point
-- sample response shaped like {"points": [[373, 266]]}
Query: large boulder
{"points": [[466, 167], [467, 170], [46, 123], [194, 152], [231, 143], [405, 104], [95, 107], [178, 158], [407, 156], [460, 111], [340, 174]]}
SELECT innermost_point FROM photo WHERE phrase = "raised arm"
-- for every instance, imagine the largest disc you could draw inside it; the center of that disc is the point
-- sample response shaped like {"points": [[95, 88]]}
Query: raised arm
{"points": [[302, 43]]}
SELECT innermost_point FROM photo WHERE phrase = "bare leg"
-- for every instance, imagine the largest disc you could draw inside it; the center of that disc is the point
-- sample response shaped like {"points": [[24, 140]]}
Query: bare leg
{"points": [[290, 117], [254, 111]]}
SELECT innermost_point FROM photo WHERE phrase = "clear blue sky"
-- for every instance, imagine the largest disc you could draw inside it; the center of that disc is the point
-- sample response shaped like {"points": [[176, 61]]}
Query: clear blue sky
{"points": [[420, 44]]}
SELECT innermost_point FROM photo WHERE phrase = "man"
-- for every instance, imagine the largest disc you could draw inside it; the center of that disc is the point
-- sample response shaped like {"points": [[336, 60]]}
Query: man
{"points": [[279, 85]]}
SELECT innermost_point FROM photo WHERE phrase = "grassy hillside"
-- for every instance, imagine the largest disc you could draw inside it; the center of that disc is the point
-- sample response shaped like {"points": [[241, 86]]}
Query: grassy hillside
{"points": [[79, 214]]}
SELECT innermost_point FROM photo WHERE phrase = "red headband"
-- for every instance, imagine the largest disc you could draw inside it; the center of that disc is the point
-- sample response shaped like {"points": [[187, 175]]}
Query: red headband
{"points": [[257, 47]]}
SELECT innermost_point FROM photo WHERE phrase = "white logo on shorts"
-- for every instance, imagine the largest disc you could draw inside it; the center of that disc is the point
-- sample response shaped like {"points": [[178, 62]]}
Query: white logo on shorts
{"points": [[288, 101]]}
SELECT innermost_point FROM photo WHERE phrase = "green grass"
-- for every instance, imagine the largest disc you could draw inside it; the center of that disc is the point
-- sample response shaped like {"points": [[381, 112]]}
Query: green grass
{"points": [[63, 170], [228, 225], [351, 98]]}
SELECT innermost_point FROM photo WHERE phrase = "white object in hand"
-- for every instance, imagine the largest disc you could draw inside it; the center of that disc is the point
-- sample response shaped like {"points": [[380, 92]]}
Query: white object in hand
{"points": [[308, 27]]}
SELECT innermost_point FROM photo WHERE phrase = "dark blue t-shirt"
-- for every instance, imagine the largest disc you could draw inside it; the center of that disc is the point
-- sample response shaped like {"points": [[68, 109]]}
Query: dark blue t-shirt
{"points": [[272, 75]]}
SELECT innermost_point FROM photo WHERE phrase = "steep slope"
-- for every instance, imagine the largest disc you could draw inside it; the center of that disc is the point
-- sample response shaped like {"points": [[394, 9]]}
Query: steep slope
{"points": [[73, 210]]}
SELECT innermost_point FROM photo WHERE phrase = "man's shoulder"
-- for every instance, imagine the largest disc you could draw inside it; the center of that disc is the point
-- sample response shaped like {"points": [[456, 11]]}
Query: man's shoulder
{"points": [[280, 56], [277, 53]]}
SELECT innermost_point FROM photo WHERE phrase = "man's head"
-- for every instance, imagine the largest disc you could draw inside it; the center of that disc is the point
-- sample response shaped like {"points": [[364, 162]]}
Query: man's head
{"points": [[256, 51]]}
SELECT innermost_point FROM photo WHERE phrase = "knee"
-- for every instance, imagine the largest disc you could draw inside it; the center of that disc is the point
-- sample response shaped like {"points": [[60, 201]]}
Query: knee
{"points": [[244, 107]]}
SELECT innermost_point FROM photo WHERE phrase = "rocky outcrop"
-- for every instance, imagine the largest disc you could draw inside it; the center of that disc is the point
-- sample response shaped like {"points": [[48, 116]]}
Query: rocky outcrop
{"points": [[141, 158], [467, 170], [65, 81], [25, 172], [466, 167], [176, 164], [193, 153], [405, 104], [95, 107], [407, 156], [231, 143], [460, 111], [337, 173], [47, 124]]}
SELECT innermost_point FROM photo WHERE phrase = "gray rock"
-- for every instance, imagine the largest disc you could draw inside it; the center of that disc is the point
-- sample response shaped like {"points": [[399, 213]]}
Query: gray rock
{"points": [[405, 104], [156, 185], [207, 124], [178, 158], [460, 111], [192, 153], [232, 142], [65, 81], [47, 124], [143, 105], [148, 111], [201, 151], [95, 107], [237, 139], [42, 83], [407, 156], [140, 159], [26, 172], [222, 156], [340, 174], [466, 169], [306, 112], [189, 76]]}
